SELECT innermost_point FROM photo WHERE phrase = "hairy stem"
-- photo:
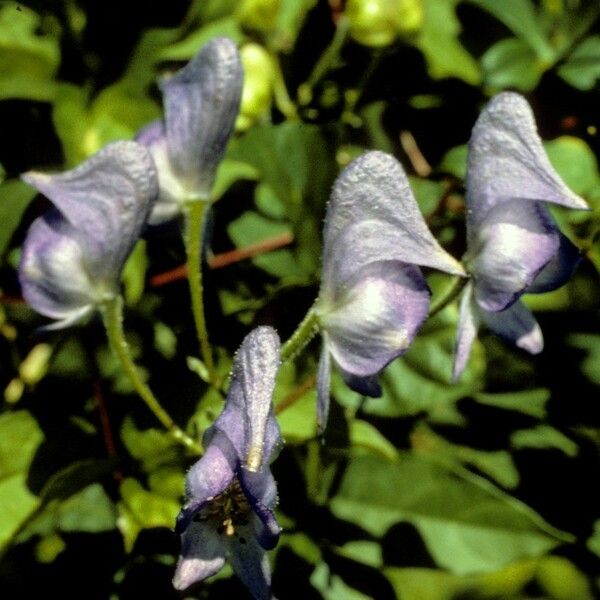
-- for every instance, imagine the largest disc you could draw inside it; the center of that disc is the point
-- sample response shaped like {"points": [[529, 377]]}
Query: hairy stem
{"points": [[195, 215], [452, 292], [112, 314], [300, 338]]}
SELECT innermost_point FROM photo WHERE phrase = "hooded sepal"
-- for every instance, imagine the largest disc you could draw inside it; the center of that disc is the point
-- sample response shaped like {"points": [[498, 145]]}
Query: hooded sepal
{"points": [[201, 104], [507, 161]]}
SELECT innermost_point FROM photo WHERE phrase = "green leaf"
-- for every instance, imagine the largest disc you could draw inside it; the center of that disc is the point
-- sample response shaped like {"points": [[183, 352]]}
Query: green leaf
{"points": [[15, 196], [20, 437], [438, 40], [152, 447], [521, 18], [428, 193], [289, 22], [582, 67], [230, 171], [562, 580], [90, 510], [133, 275], [468, 526], [141, 509], [590, 342], [543, 436], [575, 162], [333, 587], [530, 402], [593, 542], [366, 437], [29, 59], [511, 63], [455, 161]]}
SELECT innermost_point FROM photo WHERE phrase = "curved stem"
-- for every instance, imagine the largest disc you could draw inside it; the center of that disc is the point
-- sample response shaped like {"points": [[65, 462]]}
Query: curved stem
{"points": [[303, 334], [453, 291], [112, 315], [194, 216], [327, 59]]}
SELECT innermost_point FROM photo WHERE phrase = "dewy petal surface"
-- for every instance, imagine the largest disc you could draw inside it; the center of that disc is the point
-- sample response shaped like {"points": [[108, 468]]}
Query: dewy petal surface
{"points": [[202, 555], [517, 325], [248, 419], [201, 103], [376, 316], [374, 187], [52, 271], [507, 160], [514, 242], [107, 199]]}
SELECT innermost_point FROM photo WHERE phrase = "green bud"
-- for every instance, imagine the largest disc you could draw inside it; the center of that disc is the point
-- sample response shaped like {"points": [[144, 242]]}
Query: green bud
{"points": [[35, 365], [377, 23], [258, 14], [257, 92]]}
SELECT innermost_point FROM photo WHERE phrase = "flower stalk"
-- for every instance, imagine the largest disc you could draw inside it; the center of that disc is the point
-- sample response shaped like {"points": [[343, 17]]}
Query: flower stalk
{"points": [[195, 216], [304, 333], [112, 315]]}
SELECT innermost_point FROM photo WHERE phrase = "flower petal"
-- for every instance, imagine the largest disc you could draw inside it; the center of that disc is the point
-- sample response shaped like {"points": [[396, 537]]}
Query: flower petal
{"points": [[171, 192], [202, 555], [108, 199], [558, 270], [261, 491], [517, 325], [507, 161], [466, 331], [323, 385], [207, 478], [201, 104], [376, 317], [52, 273], [514, 242], [248, 418], [367, 386], [374, 187], [250, 564]]}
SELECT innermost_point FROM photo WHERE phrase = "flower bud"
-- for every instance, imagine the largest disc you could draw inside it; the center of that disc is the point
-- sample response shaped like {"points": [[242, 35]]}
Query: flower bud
{"points": [[258, 14]]}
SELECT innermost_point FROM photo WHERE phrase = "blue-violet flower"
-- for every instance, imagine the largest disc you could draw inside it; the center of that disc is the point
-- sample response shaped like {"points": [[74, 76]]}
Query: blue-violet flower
{"points": [[201, 103], [230, 491], [513, 244], [373, 297], [73, 255]]}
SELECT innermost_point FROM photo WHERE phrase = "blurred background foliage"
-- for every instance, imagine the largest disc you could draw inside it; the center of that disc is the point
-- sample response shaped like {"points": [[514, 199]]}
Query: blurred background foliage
{"points": [[484, 489]]}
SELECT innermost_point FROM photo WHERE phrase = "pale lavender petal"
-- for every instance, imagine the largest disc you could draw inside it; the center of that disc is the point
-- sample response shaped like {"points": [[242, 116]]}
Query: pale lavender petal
{"points": [[52, 272], [250, 564], [514, 242], [466, 332], [517, 325], [367, 386], [171, 191], [202, 554], [374, 187], [201, 104], [108, 199], [208, 478], [323, 385], [507, 161], [248, 418], [558, 270], [376, 317]]}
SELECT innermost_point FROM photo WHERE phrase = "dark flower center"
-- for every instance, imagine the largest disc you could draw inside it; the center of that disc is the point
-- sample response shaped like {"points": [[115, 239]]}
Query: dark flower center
{"points": [[229, 509]]}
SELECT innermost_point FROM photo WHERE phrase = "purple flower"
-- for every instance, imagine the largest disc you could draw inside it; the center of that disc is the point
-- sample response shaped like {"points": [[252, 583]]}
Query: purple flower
{"points": [[373, 298], [201, 103], [73, 255], [230, 491], [513, 244]]}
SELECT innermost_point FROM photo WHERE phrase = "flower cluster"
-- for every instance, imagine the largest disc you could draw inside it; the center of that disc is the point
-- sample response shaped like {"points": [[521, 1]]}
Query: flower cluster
{"points": [[373, 296]]}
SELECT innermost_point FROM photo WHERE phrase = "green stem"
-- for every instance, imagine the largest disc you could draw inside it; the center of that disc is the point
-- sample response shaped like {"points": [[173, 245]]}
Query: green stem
{"points": [[328, 57], [303, 334], [112, 314], [195, 215], [282, 98], [452, 292]]}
